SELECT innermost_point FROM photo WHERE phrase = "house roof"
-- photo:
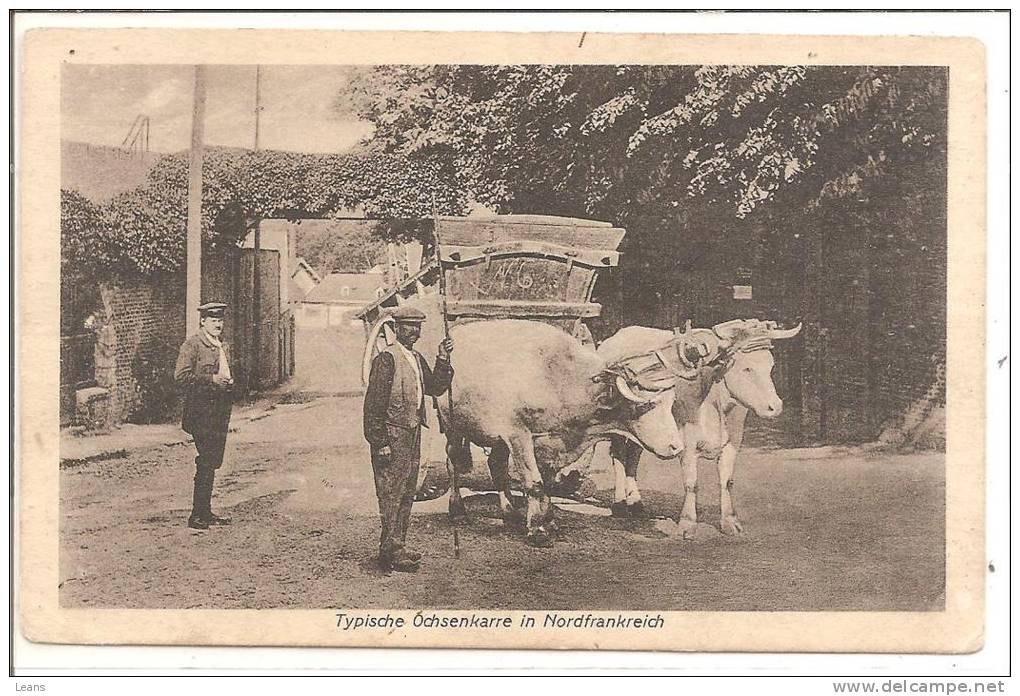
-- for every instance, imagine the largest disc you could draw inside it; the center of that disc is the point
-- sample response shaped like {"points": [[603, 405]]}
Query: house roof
{"points": [[347, 287], [303, 265]]}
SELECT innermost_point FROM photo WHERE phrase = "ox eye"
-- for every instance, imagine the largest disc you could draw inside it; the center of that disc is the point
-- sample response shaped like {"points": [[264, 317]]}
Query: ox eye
{"points": [[641, 409]]}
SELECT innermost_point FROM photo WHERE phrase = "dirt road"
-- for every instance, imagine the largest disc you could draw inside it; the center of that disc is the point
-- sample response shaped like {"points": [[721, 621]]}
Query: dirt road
{"points": [[852, 531]]}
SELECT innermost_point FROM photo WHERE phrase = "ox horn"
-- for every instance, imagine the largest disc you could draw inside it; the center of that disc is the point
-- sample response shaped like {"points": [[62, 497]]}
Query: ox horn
{"points": [[627, 392], [779, 334]]}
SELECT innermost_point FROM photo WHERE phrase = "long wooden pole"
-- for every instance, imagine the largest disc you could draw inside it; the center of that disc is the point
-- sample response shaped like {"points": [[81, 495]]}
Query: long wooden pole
{"points": [[256, 302], [446, 334], [194, 242], [442, 275]]}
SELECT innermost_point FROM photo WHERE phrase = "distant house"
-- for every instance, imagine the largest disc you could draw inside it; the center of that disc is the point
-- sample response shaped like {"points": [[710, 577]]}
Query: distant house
{"points": [[303, 279], [338, 297]]}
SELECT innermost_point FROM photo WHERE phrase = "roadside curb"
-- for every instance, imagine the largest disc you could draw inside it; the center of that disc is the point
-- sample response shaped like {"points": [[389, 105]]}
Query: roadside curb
{"points": [[77, 450]]}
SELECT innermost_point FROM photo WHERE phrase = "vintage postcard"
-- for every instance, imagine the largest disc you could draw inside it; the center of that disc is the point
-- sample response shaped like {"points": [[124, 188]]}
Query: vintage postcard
{"points": [[590, 341]]}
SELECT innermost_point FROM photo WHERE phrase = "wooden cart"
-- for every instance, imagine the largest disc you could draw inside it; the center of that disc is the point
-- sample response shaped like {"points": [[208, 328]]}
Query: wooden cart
{"points": [[535, 267]]}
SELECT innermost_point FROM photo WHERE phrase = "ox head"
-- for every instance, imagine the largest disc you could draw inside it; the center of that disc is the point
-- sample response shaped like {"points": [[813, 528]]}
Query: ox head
{"points": [[640, 405], [747, 345]]}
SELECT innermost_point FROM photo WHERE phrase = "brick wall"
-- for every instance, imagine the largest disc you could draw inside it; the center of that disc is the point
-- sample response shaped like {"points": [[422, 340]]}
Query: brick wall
{"points": [[140, 326], [866, 277], [908, 295], [143, 331]]}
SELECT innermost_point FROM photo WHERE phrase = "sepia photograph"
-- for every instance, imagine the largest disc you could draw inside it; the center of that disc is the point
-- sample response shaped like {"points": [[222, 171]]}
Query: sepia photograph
{"points": [[520, 350]]}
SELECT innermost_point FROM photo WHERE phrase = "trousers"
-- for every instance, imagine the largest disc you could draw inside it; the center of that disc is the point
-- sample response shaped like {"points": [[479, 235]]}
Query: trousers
{"points": [[396, 481], [210, 448]]}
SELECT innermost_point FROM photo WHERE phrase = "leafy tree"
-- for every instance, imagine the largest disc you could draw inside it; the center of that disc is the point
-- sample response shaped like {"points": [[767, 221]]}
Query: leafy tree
{"points": [[614, 140], [347, 246], [83, 235], [144, 231]]}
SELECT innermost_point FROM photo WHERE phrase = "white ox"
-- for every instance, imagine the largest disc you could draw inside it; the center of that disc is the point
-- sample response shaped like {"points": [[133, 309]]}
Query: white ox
{"points": [[711, 407], [530, 390]]}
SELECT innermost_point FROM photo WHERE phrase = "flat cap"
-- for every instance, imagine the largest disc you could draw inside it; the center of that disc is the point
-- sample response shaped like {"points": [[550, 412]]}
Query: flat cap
{"points": [[406, 314], [212, 309]]}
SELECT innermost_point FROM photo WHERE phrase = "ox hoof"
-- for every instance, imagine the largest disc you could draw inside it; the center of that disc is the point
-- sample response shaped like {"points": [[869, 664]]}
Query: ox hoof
{"points": [[686, 528], [457, 508], [619, 509], [539, 538], [513, 519], [637, 510], [731, 526]]}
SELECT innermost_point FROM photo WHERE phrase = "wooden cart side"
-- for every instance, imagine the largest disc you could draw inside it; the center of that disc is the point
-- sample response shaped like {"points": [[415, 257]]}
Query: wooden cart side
{"points": [[569, 232]]}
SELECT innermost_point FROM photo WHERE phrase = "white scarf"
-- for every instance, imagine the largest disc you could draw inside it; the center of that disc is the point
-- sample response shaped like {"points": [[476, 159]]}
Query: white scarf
{"points": [[411, 358], [224, 370]]}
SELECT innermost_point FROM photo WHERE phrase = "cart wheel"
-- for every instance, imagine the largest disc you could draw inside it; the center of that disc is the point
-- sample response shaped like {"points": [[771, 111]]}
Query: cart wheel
{"points": [[380, 336]]}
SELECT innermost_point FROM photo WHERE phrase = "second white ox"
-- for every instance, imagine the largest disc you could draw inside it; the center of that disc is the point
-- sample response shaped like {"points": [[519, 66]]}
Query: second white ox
{"points": [[711, 407], [530, 390]]}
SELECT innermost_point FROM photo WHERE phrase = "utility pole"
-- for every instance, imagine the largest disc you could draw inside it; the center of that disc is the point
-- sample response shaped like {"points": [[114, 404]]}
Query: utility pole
{"points": [[256, 304], [194, 243]]}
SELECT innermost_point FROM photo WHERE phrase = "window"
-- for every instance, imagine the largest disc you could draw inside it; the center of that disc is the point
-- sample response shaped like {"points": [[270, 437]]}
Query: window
{"points": [[345, 291]]}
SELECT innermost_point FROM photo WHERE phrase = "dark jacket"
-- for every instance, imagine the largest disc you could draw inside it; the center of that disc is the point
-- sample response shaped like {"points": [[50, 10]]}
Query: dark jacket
{"points": [[206, 404], [390, 398]]}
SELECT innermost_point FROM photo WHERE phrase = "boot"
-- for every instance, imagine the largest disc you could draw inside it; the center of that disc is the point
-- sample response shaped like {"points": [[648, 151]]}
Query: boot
{"points": [[195, 521], [208, 516], [412, 556], [212, 518], [401, 564], [397, 560]]}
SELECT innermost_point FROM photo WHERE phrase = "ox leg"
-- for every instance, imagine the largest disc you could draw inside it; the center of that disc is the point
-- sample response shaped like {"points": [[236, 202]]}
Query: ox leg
{"points": [[547, 519], [456, 448], [728, 521], [619, 506], [499, 470], [523, 450], [635, 508], [618, 453], [688, 521]]}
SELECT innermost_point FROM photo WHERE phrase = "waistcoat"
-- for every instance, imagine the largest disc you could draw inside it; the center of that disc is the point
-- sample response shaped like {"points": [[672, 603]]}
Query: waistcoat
{"points": [[403, 409]]}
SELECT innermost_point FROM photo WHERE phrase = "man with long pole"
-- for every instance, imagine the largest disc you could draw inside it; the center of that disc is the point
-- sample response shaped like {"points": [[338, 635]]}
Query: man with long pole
{"points": [[394, 411]]}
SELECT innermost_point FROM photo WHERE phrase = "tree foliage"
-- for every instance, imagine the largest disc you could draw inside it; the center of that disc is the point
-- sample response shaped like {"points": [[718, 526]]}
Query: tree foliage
{"points": [[345, 247], [84, 239], [615, 140], [144, 231]]}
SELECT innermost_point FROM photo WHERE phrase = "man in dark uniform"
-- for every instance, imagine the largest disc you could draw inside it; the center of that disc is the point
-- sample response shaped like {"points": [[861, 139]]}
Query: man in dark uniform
{"points": [[204, 377], [398, 383]]}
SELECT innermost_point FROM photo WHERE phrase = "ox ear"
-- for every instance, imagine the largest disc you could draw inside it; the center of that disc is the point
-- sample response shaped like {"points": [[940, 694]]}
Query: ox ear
{"points": [[729, 330], [779, 334]]}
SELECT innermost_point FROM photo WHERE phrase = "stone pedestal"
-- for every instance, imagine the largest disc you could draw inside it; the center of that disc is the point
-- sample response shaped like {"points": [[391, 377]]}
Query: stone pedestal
{"points": [[94, 409]]}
